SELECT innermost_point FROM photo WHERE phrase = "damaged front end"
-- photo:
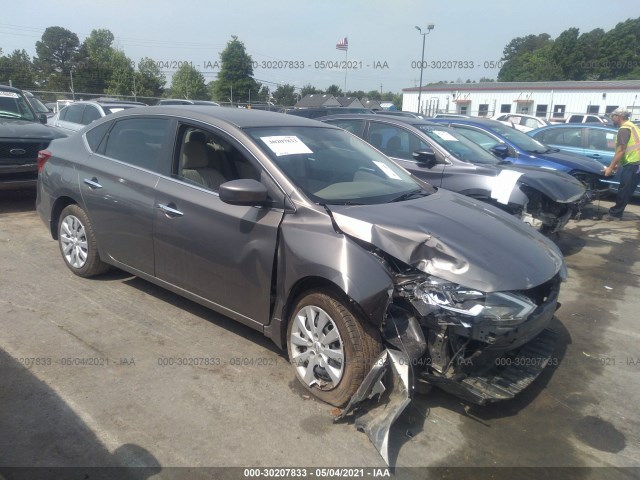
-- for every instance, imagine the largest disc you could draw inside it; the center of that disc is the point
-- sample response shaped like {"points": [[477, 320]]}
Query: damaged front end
{"points": [[480, 346]]}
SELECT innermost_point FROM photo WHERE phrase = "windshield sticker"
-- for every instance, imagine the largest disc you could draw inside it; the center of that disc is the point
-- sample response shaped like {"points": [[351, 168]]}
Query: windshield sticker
{"points": [[387, 171], [114, 110], [9, 94], [285, 145], [446, 136], [503, 185]]}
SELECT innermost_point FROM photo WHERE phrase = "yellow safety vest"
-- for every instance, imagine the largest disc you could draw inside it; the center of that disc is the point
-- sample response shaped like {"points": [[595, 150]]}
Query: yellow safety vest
{"points": [[632, 153]]}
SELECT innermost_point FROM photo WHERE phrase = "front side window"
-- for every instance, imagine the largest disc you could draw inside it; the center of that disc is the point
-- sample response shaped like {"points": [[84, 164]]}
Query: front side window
{"points": [[602, 140], [137, 141], [394, 141], [208, 159], [566, 137], [458, 145], [330, 166]]}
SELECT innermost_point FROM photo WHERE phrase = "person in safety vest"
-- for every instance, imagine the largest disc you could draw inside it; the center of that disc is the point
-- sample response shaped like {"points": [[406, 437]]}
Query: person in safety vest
{"points": [[627, 156]]}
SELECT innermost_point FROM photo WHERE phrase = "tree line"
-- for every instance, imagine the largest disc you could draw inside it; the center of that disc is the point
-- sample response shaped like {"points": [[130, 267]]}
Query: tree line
{"points": [[594, 55], [95, 66]]}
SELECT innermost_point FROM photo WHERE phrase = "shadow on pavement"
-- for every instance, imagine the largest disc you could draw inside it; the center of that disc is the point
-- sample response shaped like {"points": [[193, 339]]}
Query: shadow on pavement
{"points": [[42, 437]]}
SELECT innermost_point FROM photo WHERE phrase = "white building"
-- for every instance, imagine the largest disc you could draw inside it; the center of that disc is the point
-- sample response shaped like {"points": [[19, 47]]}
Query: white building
{"points": [[554, 100]]}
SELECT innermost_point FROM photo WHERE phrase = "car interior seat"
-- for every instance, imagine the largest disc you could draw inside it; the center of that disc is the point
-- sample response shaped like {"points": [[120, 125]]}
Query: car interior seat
{"points": [[195, 163]]}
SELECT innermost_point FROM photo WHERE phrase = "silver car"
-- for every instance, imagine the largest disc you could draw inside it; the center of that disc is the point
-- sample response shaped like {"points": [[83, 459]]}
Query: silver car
{"points": [[308, 234]]}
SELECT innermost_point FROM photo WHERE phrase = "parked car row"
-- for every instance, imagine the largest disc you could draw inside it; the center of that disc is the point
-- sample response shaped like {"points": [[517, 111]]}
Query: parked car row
{"points": [[443, 157]]}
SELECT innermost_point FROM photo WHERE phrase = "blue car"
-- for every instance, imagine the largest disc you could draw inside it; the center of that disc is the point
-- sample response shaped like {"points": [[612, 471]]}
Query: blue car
{"points": [[594, 141], [519, 148]]}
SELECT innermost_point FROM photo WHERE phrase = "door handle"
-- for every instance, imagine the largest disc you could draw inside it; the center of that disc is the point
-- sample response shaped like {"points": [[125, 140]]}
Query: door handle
{"points": [[594, 155], [93, 183], [170, 210]]}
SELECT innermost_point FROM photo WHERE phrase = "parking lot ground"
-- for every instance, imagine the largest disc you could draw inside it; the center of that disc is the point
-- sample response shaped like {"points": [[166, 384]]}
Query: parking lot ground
{"points": [[116, 372]]}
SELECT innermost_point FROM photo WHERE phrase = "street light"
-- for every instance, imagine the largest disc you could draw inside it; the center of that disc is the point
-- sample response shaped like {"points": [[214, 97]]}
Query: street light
{"points": [[429, 28]]}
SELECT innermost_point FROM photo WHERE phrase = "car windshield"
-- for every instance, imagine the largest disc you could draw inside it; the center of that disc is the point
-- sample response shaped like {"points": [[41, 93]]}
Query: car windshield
{"points": [[37, 105], [14, 105], [458, 145], [334, 167], [519, 139]]}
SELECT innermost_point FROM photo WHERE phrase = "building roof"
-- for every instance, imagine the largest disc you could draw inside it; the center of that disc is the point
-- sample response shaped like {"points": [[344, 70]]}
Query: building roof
{"points": [[312, 100], [349, 101], [372, 104], [566, 85]]}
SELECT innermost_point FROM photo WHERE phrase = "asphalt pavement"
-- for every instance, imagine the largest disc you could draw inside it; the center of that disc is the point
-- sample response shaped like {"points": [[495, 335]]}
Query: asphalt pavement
{"points": [[116, 372]]}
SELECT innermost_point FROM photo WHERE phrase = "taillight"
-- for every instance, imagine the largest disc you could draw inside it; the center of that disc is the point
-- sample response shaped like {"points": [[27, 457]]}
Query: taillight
{"points": [[43, 156]]}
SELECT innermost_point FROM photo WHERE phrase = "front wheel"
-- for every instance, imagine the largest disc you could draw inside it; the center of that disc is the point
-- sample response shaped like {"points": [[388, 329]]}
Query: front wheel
{"points": [[329, 347], [78, 243]]}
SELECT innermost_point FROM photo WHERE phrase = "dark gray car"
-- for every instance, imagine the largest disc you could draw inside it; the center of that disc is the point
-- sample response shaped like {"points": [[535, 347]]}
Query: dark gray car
{"points": [[445, 158], [311, 236]]}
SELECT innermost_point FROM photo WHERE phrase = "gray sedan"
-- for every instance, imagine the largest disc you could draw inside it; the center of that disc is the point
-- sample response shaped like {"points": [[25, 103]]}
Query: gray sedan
{"points": [[310, 235]]}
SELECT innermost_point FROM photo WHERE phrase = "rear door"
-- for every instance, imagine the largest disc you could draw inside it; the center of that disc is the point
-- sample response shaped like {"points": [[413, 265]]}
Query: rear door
{"points": [[118, 184]]}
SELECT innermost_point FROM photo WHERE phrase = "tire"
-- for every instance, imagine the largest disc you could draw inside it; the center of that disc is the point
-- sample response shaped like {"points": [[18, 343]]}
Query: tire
{"points": [[78, 244], [330, 349]]}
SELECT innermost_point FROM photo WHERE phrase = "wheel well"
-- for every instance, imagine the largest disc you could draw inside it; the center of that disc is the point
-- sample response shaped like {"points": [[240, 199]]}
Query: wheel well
{"points": [[309, 284], [59, 205]]}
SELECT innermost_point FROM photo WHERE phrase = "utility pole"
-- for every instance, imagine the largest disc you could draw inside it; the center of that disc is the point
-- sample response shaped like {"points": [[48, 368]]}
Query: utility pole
{"points": [[73, 92], [424, 35]]}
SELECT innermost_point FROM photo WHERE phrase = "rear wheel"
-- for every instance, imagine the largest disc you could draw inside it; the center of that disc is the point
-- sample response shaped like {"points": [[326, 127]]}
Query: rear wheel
{"points": [[78, 243], [329, 347]]}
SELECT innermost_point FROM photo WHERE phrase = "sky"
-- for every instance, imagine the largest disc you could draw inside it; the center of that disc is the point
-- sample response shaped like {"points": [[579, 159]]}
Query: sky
{"points": [[289, 40]]}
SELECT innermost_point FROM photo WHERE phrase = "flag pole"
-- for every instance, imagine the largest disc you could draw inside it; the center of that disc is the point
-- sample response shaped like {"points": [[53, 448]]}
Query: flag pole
{"points": [[346, 69]]}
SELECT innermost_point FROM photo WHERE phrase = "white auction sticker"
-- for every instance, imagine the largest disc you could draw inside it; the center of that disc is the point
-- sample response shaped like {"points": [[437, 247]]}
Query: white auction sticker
{"points": [[446, 136], [285, 145], [387, 171], [9, 94], [503, 185]]}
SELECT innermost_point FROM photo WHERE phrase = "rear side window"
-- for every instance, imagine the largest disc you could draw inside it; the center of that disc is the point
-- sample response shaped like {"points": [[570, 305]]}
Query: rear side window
{"points": [[137, 141], [95, 135], [74, 113], [90, 114]]}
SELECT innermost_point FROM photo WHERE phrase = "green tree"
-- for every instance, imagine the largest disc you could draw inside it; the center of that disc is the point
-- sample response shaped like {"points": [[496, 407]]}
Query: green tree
{"points": [[189, 83], [334, 90], [56, 53], [284, 95], [150, 81], [94, 66], [567, 55], [235, 78], [17, 69], [309, 89], [122, 75]]}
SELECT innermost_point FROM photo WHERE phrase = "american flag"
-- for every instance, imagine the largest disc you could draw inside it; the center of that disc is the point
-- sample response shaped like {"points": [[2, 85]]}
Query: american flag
{"points": [[343, 44]]}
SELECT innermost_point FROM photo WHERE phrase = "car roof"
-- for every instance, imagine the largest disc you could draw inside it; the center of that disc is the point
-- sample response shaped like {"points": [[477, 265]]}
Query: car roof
{"points": [[601, 126], [7, 88], [238, 117], [399, 120]]}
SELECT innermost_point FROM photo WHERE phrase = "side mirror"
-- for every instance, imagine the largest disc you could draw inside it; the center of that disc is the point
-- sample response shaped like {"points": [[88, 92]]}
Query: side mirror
{"points": [[425, 156], [42, 118], [245, 191], [500, 150]]}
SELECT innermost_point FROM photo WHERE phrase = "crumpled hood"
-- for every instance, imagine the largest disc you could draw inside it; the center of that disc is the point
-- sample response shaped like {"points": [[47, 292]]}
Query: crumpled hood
{"points": [[573, 161], [558, 186], [457, 239], [23, 129]]}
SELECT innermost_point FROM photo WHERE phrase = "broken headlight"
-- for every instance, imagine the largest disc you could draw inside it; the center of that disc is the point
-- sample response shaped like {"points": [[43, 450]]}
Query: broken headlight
{"points": [[508, 308]]}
